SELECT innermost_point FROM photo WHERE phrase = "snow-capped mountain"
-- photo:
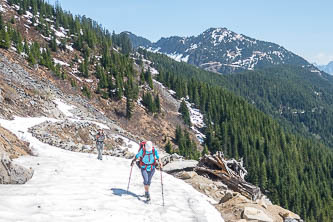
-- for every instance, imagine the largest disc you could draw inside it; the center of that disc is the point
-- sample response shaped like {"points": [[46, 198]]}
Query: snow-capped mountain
{"points": [[221, 50], [326, 68]]}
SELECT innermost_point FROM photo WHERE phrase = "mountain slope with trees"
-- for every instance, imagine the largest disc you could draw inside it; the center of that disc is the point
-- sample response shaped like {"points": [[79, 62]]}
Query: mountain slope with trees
{"points": [[300, 98], [79, 52], [221, 50], [287, 166]]}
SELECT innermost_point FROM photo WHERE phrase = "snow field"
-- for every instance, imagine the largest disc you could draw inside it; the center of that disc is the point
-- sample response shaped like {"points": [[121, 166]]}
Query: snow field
{"points": [[69, 186]]}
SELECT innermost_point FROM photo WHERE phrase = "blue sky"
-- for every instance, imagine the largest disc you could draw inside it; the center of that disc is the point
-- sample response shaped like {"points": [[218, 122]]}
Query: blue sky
{"points": [[304, 27]]}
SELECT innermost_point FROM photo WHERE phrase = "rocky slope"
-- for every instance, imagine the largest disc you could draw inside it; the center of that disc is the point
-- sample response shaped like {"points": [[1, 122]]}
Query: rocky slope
{"points": [[221, 50]]}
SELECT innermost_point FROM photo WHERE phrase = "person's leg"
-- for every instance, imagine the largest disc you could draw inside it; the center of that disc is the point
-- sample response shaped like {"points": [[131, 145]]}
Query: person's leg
{"points": [[99, 151], [144, 174], [147, 186], [101, 147], [150, 176]]}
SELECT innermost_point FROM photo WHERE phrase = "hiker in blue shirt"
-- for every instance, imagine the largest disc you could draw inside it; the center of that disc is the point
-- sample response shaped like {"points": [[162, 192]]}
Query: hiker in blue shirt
{"points": [[148, 156]]}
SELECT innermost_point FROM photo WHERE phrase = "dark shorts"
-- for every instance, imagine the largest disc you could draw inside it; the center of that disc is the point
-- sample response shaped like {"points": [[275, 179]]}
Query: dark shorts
{"points": [[147, 175]]}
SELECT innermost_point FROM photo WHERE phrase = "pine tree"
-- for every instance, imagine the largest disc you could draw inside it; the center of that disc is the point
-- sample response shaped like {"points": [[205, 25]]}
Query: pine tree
{"points": [[205, 151], [142, 77], [185, 113], [32, 59], [179, 134], [157, 103], [5, 40], [149, 79], [168, 147], [53, 43], [129, 107], [26, 47], [1, 22]]}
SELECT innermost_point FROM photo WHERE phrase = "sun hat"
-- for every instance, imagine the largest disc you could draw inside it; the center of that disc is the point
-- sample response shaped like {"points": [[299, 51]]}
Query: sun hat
{"points": [[149, 146]]}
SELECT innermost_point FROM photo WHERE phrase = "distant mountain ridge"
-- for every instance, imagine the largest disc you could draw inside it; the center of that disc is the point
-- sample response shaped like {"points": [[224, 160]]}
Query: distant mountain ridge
{"points": [[221, 50], [326, 68]]}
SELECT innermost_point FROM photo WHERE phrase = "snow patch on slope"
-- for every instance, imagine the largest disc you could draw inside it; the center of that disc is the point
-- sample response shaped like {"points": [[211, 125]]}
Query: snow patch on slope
{"points": [[56, 61], [69, 186], [178, 57], [197, 121]]}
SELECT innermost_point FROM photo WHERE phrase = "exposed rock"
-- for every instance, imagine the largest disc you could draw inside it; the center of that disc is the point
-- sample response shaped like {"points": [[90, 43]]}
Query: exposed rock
{"points": [[252, 213], [289, 219], [289, 216], [228, 195], [169, 158], [187, 175], [180, 165], [12, 173]]}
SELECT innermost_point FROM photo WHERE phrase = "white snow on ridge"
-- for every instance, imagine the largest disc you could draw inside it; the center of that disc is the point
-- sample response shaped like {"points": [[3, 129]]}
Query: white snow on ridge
{"points": [[153, 50], [56, 61], [69, 186], [178, 57]]}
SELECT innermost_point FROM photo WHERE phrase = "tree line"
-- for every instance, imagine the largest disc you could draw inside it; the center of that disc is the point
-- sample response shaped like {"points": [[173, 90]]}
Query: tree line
{"points": [[286, 166]]}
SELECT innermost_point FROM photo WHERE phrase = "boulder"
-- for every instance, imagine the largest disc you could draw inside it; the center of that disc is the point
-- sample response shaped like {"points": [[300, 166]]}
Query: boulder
{"points": [[180, 165], [171, 157], [11, 173], [289, 216], [252, 213], [289, 219], [187, 175], [227, 196], [220, 185]]}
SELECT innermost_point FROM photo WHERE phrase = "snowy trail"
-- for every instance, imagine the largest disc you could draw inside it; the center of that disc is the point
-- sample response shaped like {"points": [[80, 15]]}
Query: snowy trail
{"points": [[70, 186]]}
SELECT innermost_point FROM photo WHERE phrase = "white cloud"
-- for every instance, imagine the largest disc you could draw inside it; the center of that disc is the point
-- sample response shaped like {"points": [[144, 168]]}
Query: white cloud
{"points": [[322, 58]]}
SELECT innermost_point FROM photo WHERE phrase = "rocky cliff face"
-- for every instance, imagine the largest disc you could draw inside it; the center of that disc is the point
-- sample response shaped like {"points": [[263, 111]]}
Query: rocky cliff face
{"points": [[12, 147]]}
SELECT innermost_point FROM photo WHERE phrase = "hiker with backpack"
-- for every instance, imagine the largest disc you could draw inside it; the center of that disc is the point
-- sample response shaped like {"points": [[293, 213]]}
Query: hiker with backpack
{"points": [[147, 158], [100, 137]]}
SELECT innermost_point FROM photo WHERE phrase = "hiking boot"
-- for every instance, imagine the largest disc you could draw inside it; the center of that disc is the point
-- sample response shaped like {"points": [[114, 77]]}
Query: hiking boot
{"points": [[148, 196]]}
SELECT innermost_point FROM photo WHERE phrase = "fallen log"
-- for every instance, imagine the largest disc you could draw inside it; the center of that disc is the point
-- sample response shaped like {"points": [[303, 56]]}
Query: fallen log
{"points": [[230, 172]]}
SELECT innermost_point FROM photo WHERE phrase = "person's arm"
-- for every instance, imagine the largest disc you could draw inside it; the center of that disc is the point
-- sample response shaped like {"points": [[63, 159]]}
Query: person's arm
{"points": [[161, 164], [137, 157], [159, 159]]}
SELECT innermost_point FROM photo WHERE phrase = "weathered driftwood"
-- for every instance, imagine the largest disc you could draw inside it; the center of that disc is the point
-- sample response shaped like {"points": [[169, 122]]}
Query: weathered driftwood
{"points": [[231, 172]]}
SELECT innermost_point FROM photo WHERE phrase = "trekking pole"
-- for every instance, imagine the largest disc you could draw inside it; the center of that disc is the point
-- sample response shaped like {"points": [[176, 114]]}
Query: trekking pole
{"points": [[129, 179], [162, 187]]}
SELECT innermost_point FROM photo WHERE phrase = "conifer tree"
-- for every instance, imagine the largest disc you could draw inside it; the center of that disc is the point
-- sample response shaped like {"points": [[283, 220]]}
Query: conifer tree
{"points": [[1, 22], [168, 147], [157, 103], [149, 79], [129, 107], [185, 113], [53, 43]]}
